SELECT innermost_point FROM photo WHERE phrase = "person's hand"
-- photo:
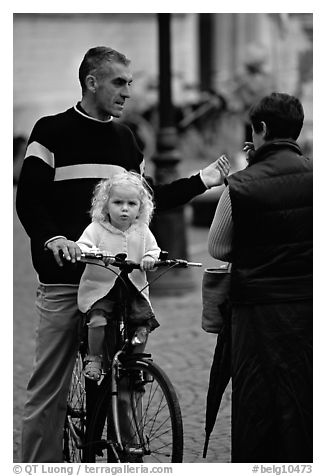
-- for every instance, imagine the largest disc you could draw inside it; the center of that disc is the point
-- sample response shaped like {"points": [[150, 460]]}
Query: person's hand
{"points": [[67, 249], [249, 150], [215, 173], [147, 263]]}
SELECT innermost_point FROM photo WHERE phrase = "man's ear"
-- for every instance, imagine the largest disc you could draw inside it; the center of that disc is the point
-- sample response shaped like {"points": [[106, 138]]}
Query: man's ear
{"points": [[264, 131], [91, 83]]}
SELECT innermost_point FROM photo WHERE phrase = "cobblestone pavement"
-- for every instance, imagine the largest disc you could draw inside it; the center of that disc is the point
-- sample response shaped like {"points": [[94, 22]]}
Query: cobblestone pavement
{"points": [[179, 346]]}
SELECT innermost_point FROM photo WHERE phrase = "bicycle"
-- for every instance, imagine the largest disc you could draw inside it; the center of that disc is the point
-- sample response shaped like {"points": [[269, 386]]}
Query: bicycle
{"points": [[136, 416]]}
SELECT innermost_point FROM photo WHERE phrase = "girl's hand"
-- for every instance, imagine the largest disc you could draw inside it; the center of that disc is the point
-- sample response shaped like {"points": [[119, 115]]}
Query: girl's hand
{"points": [[147, 263]]}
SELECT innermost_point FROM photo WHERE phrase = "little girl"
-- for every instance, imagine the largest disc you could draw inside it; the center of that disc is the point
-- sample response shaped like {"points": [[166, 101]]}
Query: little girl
{"points": [[122, 208]]}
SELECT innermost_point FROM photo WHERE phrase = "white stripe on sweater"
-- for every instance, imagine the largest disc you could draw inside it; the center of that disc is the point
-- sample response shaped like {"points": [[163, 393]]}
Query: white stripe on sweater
{"points": [[81, 171], [38, 150]]}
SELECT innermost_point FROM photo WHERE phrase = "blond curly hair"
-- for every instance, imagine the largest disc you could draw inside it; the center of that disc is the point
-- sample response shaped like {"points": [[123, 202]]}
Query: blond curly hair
{"points": [[102, 193]]}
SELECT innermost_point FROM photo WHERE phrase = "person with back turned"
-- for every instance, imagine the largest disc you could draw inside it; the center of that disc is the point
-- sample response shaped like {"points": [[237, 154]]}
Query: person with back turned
{"points": [[263, 225]]}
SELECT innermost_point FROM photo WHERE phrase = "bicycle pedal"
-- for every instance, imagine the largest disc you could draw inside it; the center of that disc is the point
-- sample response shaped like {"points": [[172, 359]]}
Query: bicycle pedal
{"points": [[135, 451], [133, 455]]}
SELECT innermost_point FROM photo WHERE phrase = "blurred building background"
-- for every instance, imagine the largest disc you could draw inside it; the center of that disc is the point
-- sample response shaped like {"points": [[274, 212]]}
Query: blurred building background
{"points": [[209, 52], [218, 61]]}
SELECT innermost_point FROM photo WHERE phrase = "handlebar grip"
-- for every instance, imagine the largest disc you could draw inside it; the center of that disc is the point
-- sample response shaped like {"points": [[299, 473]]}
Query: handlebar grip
{"points": [[176, 262]]}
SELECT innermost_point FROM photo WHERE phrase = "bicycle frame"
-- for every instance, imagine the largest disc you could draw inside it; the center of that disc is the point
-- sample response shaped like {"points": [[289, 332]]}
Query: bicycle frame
{"points": [[123, 348]]}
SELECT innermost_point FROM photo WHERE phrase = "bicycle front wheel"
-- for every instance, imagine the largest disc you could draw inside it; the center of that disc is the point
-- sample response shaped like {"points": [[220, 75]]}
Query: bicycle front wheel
{"points": [[75, 423], [149, 418]]}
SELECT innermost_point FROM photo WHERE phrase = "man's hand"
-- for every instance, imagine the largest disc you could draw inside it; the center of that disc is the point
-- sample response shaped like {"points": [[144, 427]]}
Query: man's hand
{"points": [[147, 263], [215, 173], [69, 250], [249, 149]]}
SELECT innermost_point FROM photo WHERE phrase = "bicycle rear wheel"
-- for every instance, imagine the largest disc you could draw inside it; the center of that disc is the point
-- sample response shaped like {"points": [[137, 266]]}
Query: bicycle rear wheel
{"points": [[75, 423], [149, 418]]}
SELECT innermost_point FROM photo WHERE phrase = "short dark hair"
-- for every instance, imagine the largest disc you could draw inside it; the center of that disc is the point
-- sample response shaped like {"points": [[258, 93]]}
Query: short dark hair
{"points": [[94, 60], [282, 113]]}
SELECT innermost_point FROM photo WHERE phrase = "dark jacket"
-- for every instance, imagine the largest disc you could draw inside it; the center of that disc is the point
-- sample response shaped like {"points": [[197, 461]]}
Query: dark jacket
{"points": [[272, 215], [266, 347]]}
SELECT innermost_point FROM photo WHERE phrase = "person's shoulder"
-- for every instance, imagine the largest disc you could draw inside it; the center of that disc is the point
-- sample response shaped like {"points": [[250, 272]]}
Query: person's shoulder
{"points": [[147, 231], [120, 127], [241, 176], [53, 120], [95, 225], [139, 228], [127, 138], [307, 163], [144, 227], [95, 229], [123, 131]]}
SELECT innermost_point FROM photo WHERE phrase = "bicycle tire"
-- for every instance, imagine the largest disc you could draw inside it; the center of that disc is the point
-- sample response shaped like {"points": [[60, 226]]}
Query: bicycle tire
{"points": [[154, 437], [75, 422]]}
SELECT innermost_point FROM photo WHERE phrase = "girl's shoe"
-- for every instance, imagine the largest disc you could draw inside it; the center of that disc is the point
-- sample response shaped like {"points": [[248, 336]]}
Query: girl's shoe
{"points": [[140, 336], [93, 367]]}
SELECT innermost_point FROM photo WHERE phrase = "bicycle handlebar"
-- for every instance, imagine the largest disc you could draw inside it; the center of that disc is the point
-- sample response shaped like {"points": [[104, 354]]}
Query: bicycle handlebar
{"points": [[121, 261]]}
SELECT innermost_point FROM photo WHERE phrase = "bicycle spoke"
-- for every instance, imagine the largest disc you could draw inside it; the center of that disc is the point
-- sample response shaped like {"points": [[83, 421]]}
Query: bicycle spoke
{"points": [[75, 424]]}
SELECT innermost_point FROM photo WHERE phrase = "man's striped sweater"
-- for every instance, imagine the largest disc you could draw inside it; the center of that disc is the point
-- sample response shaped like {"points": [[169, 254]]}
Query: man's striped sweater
{"points": [[67, 154]]}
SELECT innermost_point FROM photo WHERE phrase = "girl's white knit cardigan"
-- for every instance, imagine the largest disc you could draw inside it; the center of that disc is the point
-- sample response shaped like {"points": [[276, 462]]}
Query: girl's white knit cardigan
{"points": [[137, 242]]}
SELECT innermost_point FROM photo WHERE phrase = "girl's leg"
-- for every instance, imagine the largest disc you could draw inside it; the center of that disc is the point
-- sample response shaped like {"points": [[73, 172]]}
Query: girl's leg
{"points": [[96, 340], [96, 335]]}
